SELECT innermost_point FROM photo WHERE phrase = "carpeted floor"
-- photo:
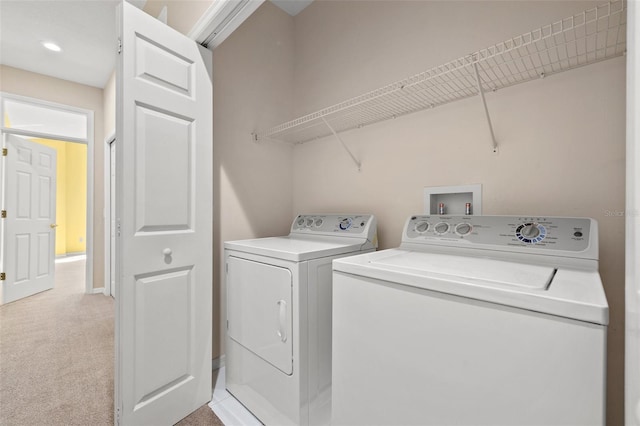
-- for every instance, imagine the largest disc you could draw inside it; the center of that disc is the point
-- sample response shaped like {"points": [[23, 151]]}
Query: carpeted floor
{"points": [[56, 357]]}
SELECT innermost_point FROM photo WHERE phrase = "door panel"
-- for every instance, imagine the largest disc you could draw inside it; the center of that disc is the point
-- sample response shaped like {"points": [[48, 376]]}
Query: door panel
{"points": [[164, 223], [29, 240], [156, 211], [259, 301]]}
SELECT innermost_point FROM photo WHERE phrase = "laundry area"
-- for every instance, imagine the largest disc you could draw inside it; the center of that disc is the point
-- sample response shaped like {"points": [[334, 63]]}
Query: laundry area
{"points": [[369, 212], [560, 152]]}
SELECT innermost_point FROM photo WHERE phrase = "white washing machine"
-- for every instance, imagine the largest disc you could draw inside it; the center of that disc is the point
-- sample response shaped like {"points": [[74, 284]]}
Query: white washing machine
{"points": [[487, 320], [278, 347]]}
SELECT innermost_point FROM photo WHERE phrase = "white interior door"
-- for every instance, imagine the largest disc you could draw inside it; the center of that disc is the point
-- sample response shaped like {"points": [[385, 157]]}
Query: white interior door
{"points": [[164, 220], [29, 228]]}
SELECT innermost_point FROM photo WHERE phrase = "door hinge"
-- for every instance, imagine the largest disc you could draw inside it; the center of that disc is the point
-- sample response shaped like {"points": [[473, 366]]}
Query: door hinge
{"points": [[226, 268], [3, 214], [119, 45], [227, 322], [5, 152], [3, 276]]}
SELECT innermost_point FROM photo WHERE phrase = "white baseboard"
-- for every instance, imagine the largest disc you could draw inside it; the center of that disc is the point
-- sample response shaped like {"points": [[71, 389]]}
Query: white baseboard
{"points": [[98, 290]]}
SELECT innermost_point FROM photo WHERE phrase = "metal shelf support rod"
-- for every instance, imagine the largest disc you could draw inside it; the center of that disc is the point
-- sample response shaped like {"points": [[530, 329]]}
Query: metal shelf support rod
{"points": [[494, 145], [346, 148]]}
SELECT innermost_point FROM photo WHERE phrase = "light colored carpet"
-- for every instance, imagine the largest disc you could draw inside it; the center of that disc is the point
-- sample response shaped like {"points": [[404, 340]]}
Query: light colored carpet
{"points": [[56, 357]]}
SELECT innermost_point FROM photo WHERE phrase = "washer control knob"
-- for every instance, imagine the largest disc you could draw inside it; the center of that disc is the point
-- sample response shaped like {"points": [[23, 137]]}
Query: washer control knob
{"points": [[300, 221], [530, 230], [441, 228], [309, 222], [422, 227], [319, 222], [345, 223], [463, 229]]}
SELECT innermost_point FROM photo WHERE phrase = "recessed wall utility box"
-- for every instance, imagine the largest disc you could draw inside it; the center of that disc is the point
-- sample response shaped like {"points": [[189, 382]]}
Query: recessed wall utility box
{"points": [[454, 199]]}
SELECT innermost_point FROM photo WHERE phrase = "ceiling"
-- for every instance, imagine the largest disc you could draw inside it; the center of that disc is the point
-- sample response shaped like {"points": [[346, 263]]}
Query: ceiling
{"points": [[292, 7], [84, 29]]}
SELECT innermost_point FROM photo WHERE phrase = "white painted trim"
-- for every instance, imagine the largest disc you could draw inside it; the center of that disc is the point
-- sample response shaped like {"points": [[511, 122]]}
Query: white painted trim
{"points": [[41, 135], [99, 290], [89, 141], [223, 17], [632, 222], [90, 186], [218, 363], [106, 214]]}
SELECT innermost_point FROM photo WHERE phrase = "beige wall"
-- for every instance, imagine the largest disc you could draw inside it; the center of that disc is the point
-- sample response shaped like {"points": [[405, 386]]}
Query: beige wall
{"points": [[252, 76], [561, 139], [181, 14], [25, 83]]}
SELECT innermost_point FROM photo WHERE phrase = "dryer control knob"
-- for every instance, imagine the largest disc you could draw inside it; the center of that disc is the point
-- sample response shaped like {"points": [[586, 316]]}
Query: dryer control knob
{"points": [[309, 222], [300, 221], [345, 223]]}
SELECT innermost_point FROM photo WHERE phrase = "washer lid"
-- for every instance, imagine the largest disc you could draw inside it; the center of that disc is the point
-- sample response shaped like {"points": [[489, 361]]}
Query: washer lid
{"points": [[570, 293], [489, 271], [297, 248]]}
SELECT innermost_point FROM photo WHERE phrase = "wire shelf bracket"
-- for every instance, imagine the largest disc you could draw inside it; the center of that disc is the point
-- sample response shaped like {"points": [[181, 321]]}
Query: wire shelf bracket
{"points": [[344, 145], [494, 145], [591, 36]]}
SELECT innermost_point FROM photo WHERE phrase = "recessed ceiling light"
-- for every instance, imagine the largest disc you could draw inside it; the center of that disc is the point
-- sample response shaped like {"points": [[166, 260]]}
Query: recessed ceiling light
{"points": [[51, 46]]}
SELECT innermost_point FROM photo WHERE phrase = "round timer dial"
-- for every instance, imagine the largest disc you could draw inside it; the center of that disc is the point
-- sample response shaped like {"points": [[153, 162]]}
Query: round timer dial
{"points": [[531, 232], [345, 223]]}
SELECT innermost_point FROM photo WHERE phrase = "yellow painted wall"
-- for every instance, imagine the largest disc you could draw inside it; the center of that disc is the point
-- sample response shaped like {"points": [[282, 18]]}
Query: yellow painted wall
{"points": [[76, 197], [71, 195]]}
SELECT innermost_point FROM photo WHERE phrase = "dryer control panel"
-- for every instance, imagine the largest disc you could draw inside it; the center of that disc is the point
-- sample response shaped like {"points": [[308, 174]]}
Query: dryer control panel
{"points": [[537, 233], [332, 224]]}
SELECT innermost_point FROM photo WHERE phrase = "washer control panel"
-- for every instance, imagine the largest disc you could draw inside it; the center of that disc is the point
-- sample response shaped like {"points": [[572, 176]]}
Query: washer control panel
{"points": [[324, 224], [552, 233]]}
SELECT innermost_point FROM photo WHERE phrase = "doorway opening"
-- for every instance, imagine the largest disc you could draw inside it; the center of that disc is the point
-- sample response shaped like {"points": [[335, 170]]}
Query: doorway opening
{"points": [[65, 134]]}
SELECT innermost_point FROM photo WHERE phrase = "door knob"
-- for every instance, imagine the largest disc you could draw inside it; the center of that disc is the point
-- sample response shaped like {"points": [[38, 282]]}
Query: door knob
{"points": [[53, 225], [167, 252]]}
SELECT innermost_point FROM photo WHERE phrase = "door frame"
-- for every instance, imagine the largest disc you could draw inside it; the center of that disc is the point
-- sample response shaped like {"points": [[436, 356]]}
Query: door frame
{"points": [[111, 139], [89, 141], [632, 221]]}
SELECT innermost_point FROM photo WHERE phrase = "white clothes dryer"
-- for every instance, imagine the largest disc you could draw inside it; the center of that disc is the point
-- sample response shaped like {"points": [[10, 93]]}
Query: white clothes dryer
{"points": [[278, 346], [473, 320]]}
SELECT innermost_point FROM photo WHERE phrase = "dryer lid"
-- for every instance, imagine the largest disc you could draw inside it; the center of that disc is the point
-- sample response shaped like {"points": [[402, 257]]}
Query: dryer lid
{"points": [[297, 248]]}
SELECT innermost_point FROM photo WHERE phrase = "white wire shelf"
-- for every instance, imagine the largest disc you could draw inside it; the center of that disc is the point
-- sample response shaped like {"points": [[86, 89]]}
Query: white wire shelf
{"points": [[592, 36]]}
